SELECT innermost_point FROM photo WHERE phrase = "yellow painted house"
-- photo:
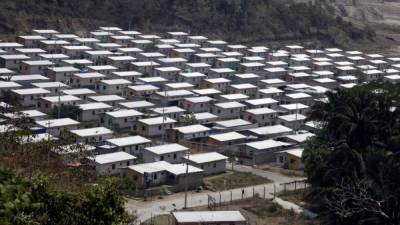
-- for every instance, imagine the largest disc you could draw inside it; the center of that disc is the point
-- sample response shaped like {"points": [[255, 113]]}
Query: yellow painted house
{"points": [[290, 159]]}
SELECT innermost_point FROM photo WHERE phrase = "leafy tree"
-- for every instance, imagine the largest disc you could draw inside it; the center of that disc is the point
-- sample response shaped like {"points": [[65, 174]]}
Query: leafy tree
{"points": [[353, 161], [34, 202], [67, 111], [189, 119]]}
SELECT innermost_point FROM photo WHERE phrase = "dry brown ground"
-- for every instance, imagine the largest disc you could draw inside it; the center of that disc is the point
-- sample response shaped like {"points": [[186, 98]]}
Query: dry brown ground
{"points": [[256, 211]]}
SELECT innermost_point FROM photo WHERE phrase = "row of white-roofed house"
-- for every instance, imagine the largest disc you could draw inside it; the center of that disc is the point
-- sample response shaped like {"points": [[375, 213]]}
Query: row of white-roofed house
{"points": [[204, 94]]}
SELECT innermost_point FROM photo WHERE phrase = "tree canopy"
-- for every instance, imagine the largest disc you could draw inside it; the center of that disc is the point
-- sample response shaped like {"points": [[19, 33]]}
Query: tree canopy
{"points": [[31, 202], [353, 163]]}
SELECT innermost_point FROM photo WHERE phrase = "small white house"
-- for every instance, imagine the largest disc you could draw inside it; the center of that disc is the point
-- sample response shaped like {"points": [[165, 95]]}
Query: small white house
{"points": [[29, 97], [109, 99], [113, 86], [188, 132], [92, 135], [47, 104], [93, 111], [172, 153], [210, 162], [132, 144], [197, 104], [157, 126], [209, 217], [112, 162], [260, 116], [228, 110], [121, 119], [56, 126]]}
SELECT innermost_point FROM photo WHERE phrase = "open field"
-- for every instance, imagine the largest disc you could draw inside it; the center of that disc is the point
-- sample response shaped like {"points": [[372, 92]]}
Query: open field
{"points": [[232, 180]]}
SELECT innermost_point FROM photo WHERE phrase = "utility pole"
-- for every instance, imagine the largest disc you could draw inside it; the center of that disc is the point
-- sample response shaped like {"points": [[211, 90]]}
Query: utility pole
{"points": [[59, 101], [297, 108], [186, 179], [164, 118]]}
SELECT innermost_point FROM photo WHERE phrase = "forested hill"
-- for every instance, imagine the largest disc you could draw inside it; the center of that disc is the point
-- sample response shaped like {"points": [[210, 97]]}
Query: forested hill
{"points": [[244, 20]]}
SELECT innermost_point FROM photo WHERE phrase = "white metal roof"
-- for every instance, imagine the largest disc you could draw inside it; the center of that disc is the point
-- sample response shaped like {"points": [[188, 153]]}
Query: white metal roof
{"points": [[266, 144], [201, 99], [9, 84], [298, 152], [57, 122], [199, 217], [167, 148], [205, 116], [61, 98], [89, 75], [229, 105], [78, 91], [113, 157], [124, 113], [175, 93], [31, 91], [94, 106], [106, 98], [116, 81], [233, 97], [228, 136], [63, 69], [206, 157], [50, 84], [169, 109], [196, 128], [302, 137], [157, 120], [261, 101], [292, 117], [206, 91], [233, 123], [128, 141], [261, 111], [179, 85], [144, 87], [267, 130], [90, 132], [136, 104]]}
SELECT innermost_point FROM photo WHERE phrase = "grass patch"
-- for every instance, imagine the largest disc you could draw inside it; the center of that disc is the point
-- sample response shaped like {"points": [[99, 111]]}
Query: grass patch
{"points": [[298, 197], [232, 180], [286, 172], [159, 220], [266, 210]]}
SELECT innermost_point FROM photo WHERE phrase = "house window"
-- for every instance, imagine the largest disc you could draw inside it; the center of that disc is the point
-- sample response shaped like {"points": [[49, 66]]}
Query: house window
{"points": [[174, 155], [113, 166], [155, 176], [215, 165], [127, 163], [162, 158]]}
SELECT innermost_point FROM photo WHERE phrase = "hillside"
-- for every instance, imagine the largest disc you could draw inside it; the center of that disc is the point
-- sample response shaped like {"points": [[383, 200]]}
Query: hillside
{"points": [[248, 21], [382, 16]]}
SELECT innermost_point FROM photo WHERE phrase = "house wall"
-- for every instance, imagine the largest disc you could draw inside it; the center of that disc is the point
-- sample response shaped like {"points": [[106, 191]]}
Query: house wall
{"points": [[105, 168], [211, 167], [289, 161], [174, 157]]}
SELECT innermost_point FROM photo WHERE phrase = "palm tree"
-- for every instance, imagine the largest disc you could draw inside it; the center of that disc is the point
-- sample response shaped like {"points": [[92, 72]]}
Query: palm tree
{"points": [[362, 116]]}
